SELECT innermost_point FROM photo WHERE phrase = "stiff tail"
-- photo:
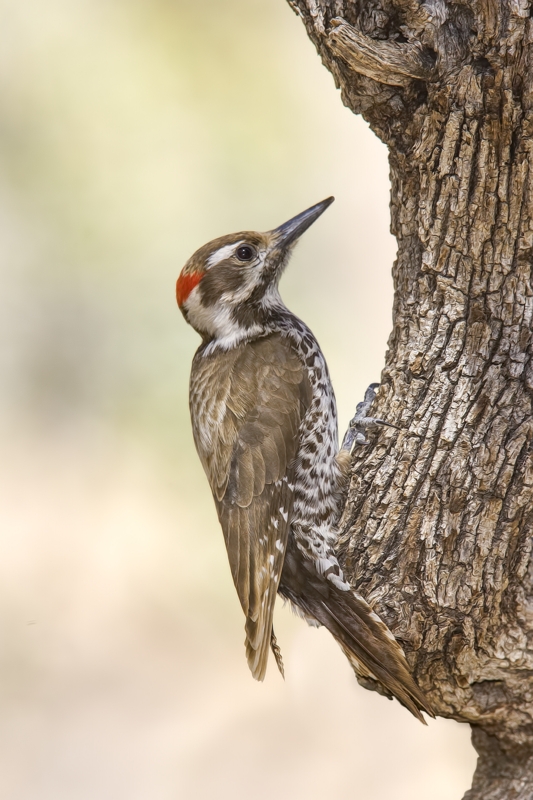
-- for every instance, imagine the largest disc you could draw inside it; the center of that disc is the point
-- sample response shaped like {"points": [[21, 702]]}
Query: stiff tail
{"points": [[376, 657], [371, 648], [276, 650]]}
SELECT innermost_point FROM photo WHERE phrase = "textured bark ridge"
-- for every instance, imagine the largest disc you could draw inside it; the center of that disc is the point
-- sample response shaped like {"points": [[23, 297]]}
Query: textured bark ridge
{"points": [[438, 526]]}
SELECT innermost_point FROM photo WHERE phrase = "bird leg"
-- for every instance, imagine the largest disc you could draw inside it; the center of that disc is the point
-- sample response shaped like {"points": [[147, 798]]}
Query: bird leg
{"points": [[355, 436]]}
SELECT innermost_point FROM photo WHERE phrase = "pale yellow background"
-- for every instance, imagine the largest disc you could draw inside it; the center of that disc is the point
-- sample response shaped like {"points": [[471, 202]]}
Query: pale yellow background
{"points": [[132, 131]]}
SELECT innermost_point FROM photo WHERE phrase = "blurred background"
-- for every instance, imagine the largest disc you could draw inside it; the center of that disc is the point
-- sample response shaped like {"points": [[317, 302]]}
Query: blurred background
{"points": [[133, 131]]}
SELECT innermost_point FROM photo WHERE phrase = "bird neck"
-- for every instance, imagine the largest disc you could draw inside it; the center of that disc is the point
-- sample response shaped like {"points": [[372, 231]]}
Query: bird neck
{"points": [[248, 321]]}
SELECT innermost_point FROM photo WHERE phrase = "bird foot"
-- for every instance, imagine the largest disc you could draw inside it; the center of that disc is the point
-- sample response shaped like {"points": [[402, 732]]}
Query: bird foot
{"points": [[355, 436]]}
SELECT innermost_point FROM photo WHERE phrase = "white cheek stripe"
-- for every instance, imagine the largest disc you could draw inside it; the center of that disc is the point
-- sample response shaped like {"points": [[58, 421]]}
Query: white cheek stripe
{"points": [[221, 254], [217, 321]]}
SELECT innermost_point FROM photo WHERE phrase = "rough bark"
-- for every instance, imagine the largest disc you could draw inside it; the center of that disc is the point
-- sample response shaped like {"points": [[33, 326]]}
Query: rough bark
{"points": [[438, 527]]}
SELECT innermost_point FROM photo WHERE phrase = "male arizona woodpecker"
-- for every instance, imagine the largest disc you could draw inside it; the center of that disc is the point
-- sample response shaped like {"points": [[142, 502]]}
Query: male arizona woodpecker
{"points": [[265, 426]]}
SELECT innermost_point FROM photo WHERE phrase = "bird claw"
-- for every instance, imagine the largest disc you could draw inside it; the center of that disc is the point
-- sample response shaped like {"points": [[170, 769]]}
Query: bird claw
{"points": [[361, 423]]}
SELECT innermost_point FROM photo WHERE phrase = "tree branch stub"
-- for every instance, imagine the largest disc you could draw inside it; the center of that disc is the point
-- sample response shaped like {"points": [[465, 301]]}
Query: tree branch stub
{"points": [[386, 62]]}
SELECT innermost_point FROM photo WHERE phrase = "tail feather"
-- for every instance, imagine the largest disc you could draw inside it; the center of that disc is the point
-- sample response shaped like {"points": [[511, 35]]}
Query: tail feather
{"points": [[375, 655], [276, 650], [371, 648]]}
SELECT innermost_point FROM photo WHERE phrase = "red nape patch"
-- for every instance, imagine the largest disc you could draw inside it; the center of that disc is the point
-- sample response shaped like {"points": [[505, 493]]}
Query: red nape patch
{"points": [[185, 284]]}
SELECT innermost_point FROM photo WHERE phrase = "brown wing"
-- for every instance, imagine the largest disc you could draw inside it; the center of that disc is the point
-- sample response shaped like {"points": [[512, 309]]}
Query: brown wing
{"points": [[246, 408]]}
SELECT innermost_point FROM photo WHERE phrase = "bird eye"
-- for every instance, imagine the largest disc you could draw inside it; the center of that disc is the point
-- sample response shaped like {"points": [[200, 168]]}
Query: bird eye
{"points": [[245, 252]]}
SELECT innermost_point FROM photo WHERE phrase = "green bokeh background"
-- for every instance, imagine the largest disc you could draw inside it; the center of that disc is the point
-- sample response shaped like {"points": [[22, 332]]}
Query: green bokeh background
{"points": [[131, 132]]}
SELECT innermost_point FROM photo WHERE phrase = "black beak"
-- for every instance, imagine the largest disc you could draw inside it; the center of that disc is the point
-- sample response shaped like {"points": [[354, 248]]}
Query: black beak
{"points": [[290, 231]]}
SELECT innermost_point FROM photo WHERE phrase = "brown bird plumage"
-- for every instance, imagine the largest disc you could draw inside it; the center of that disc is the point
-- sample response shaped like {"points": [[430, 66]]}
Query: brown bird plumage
{"points": [[249, 462], [264, 423]]}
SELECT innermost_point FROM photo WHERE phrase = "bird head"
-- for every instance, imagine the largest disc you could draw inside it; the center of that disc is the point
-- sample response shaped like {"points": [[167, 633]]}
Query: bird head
{"points": [[228, 289]]}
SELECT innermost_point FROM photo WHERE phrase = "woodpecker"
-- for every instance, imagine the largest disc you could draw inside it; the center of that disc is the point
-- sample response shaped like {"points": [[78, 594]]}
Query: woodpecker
{"points": [[264, 422]]}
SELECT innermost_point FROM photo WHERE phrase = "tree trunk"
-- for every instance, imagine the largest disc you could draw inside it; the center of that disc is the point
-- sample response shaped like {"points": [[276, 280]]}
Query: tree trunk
{"points": [[438, 526]]}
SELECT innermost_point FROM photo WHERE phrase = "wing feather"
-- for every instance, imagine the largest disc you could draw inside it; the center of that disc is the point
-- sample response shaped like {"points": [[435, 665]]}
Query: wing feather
{"points": [[259, 471], [246, 408]]}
